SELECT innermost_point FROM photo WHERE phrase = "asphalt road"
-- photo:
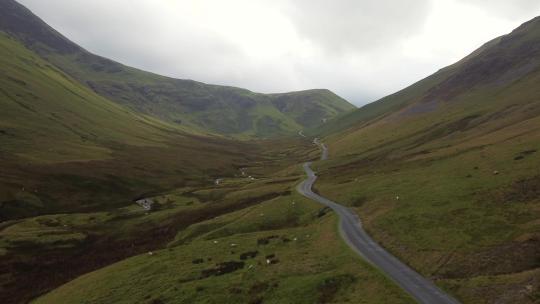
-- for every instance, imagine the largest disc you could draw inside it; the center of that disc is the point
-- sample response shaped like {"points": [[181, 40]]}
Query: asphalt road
{"points": [[420, 288]]}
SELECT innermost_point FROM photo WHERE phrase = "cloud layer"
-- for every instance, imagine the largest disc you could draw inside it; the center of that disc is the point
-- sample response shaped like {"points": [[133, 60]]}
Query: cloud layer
{"points": [[362, 50]]}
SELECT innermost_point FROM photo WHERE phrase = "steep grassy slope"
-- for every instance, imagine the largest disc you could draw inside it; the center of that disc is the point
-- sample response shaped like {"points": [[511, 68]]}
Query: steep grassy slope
{"points": [[446, 173], [310, 108], [65, 148], [43, 109], [219, 109], [428, 91]]}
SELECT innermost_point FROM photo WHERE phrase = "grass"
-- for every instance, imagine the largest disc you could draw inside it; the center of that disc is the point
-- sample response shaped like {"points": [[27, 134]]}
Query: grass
{"points": [[49, 117], [216, 223], [77, 238], [439, 209], [327, 272]]}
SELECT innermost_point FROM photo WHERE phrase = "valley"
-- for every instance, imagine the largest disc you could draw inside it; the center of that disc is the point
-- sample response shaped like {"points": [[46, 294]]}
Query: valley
{"points": [[119, 185]]}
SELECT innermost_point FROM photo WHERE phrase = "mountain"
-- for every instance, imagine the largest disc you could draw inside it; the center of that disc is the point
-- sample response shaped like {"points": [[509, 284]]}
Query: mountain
{"points": [[497, 63], [445, 172], [310, 108], [211, 108], [77, 150], [67, 150], [83, 138], [73, 163], [64, 146], [63, 105]]}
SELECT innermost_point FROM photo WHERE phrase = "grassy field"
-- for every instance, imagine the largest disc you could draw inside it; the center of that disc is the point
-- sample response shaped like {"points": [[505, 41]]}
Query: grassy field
{"points": [[452, 219], [284, 249], [74, 238], [245, 240]]}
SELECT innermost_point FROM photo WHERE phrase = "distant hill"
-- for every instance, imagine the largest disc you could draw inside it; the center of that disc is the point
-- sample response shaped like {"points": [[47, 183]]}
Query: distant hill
{"points": [[212, 108]]}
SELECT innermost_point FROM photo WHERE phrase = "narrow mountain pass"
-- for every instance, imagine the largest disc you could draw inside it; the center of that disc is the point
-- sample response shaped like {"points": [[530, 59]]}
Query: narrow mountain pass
{"points": [[420, 288]]}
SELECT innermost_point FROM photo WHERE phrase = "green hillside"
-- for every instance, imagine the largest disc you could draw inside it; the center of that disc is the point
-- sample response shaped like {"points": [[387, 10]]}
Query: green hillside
{"points": [[43, 108], [65, 141], [311, 108], [212, 108], [445, 173], [67, 151]]}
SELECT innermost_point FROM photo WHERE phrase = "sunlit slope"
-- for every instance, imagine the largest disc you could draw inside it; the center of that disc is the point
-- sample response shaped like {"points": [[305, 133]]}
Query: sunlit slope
{"points": [[212, 108], [46, 115], [446, 173]]}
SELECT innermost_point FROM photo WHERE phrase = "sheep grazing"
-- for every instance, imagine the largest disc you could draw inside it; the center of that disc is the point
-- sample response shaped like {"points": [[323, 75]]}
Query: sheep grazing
{"points": [[248, 255], [271, 259], [222, 268], [146, 204]]}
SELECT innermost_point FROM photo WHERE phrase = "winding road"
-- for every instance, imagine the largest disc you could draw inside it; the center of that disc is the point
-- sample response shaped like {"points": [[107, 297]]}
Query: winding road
{"points": [[420, 288]]}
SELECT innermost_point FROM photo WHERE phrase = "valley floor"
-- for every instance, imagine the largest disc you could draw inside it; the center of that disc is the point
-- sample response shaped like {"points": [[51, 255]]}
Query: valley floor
{"points": [[248, 239], [252, 239]]}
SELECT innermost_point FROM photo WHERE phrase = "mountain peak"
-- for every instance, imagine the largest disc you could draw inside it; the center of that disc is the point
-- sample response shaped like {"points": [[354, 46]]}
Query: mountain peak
{"points": [[213, 108], [20, 22]]}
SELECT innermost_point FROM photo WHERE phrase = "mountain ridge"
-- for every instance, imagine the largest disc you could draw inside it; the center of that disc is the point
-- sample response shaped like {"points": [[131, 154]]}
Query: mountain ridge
{"points": [[218, 109], [439, 85]]}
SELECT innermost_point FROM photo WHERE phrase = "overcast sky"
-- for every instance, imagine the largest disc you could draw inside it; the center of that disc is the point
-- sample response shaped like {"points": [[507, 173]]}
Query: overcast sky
{"points": [[360, 49]]}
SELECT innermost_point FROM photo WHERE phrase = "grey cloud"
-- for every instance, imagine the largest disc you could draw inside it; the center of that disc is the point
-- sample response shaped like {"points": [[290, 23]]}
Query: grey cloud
{"points": [[356, 26], [135, 33], [354, 47], [508, 9]]}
